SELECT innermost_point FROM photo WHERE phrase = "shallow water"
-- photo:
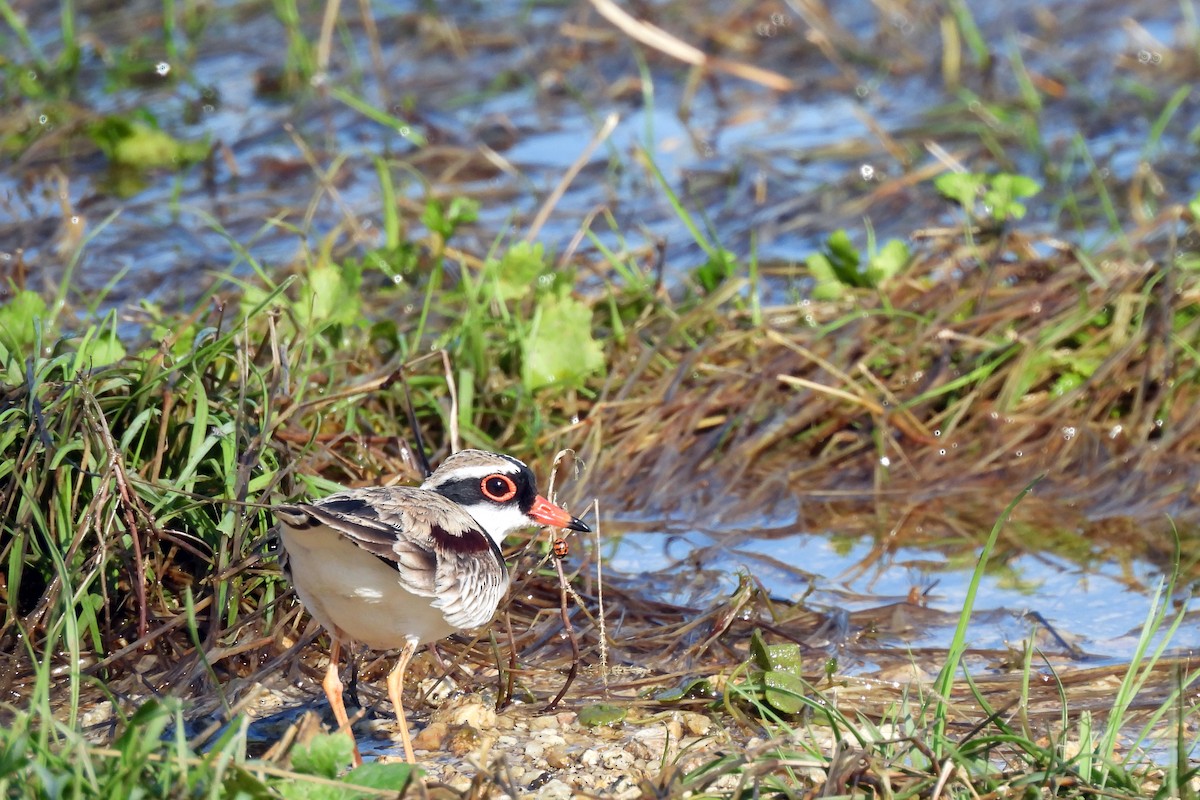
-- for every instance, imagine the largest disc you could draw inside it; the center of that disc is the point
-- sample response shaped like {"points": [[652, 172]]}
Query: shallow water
{"points": [[1089, 613], [765, 172]]}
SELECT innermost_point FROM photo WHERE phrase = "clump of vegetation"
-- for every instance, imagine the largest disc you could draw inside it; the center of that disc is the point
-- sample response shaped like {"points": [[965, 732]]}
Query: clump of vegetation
{"points": [[151, 758]]}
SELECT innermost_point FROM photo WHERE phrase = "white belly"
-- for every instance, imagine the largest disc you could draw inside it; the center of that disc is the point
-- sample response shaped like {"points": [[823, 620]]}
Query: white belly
{"points": [[346, 588]]}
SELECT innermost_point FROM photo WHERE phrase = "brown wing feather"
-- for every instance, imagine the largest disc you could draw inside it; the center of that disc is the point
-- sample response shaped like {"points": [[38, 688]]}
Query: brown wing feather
{"points": [[437, 548]]}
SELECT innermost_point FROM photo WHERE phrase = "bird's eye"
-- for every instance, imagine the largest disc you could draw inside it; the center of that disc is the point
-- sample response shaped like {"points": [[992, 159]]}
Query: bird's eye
{"points": [[499, 488]]}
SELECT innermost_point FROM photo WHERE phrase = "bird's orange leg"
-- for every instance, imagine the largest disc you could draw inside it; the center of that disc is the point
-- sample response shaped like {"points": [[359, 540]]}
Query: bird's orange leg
{"points": [[395, 686], [333, 690]]}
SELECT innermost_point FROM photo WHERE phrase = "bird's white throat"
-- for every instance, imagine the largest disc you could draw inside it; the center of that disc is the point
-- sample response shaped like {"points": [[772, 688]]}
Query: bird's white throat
{"points": [[498, 521]]}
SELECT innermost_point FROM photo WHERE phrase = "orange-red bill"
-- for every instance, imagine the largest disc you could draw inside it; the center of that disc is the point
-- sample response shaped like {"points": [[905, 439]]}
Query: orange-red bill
{"points": [[546, 513]]}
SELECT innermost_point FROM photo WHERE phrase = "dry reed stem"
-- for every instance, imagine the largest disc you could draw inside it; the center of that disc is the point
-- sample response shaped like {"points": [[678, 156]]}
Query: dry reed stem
{"points": [[724, 408], [655, 37], [568, 177]]}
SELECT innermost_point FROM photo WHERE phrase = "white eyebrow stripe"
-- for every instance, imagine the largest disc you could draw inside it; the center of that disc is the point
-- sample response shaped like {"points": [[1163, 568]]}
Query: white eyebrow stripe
{"points": [[478, 471]]}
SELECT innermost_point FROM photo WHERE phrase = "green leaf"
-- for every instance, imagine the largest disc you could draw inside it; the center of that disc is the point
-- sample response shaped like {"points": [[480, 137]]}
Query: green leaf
{"points": [[597, 714], [13, 754], [827, 287], [1065, 383], [779, 682], [961, 187], [1001, 193], [143, 732], [518, 272], [784, 691], [720, 265], [888, 262], [89, 612], [135, 144], [1004, 194], [758, 650], [446, 219], [324, 756], [240, 783], [844, 258], [560, 348], [99, 347], [331, 296], [837, 267], [689, 689], [17, 322], [297, 788], [105, 351], [394, 777], [784, 657]]}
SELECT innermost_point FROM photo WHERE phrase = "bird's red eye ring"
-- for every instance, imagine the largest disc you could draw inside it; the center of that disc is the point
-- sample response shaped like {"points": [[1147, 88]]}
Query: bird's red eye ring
{"points": [[499, 488]]}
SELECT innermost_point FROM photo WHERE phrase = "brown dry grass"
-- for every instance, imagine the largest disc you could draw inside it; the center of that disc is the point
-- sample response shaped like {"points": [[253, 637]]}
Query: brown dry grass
{"points": [[951, 374]]}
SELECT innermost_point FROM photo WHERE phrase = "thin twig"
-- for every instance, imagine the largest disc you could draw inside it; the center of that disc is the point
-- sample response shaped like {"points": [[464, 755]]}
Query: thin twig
{"points": [[451, 387], [506, 689], [566, 620], [600, 603], [325, 37], [116, 469], [414, 424]]}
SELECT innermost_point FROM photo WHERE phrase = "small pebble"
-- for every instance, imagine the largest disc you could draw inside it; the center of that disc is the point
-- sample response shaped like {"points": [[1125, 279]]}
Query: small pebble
{"points": [[544, 723], [640, 750], [625, 788], [618, 759], [550, 739], [556, 790], [431, 737], [696, 724], [557, 757], [467, 710], [457, 781], [96, 715], [463, 739]]}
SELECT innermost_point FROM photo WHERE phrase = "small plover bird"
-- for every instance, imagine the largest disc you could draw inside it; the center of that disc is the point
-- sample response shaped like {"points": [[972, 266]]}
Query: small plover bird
{"points": [[396, 567]]}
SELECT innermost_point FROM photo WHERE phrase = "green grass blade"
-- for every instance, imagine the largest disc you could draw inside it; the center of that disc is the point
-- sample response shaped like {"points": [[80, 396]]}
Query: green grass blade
{"points": [[372, 113], [958, 644]]}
